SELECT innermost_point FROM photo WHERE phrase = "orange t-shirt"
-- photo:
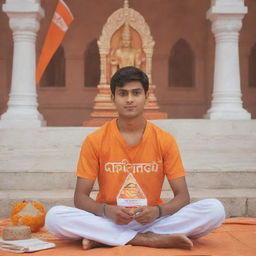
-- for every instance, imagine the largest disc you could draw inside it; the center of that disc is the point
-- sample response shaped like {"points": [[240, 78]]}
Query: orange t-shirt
{"points": [[106, 155]]}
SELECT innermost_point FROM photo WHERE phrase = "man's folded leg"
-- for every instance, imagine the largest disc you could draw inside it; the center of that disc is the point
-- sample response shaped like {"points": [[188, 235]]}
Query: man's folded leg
{"points": [[194, 220], [73, 223]]}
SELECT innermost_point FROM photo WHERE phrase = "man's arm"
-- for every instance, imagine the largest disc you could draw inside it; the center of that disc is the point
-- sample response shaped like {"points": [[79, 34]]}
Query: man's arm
{"points": [[145, 215], [82, 200], [180, 199]]}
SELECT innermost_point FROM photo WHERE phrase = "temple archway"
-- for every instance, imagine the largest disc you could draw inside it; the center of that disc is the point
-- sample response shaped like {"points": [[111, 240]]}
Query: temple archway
{"points": [[54, 75], [92, 65], [181, 65]]}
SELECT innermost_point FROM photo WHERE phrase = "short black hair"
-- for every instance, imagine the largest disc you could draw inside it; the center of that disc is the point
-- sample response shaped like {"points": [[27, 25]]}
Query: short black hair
{"points": [[128, 74]]}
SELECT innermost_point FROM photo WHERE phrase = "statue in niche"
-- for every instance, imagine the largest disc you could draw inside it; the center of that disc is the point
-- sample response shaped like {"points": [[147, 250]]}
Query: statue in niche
{"points": [[125, 40], [126, 54]]}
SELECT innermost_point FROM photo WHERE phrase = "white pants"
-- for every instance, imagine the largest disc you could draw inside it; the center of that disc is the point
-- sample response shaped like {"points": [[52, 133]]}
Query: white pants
{"points": [[193, 220]]}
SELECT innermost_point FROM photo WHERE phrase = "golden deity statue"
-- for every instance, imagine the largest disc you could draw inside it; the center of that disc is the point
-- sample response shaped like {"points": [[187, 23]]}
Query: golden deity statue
{"points": [[126, 54]]}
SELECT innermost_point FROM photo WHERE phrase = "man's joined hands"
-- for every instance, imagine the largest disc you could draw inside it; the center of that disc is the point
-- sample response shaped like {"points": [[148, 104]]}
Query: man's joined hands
{"points": [[122, 215]]}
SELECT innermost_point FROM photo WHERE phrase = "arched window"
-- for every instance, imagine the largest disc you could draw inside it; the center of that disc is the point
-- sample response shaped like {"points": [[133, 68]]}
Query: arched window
{"points": [[252, 67], [181, 65], [54, 75], [92, 65]]}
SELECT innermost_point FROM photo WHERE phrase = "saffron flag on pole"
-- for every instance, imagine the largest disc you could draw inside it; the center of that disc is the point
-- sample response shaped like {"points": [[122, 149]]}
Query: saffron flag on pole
{"points": [[60, 23]]}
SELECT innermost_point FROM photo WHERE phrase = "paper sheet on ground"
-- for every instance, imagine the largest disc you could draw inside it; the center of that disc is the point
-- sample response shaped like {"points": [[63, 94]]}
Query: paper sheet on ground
{"points": [[28, 245]]}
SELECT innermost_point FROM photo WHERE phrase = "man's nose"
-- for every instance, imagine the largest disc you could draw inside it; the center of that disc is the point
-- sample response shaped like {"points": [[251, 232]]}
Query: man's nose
{"points": [[130, 97]]}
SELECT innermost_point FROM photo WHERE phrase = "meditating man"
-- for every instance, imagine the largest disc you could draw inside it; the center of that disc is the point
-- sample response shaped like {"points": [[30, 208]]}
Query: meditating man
{"points": [[130, 157]]}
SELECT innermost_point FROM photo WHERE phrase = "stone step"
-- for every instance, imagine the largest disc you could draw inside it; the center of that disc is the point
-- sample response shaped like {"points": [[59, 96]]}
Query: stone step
{"points": [[237, 202], [55, 143], [219, 157], [66, 180], [209, 159], [197, 131]]}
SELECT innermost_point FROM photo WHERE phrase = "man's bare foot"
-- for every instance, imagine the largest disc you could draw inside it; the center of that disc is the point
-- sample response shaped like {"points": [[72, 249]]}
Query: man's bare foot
{"points": [[89, 244], [151, 239]]}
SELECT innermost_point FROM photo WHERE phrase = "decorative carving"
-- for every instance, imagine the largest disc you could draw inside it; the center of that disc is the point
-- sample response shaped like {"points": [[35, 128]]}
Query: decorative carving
{"points": [[117, 19], [226, 25]]}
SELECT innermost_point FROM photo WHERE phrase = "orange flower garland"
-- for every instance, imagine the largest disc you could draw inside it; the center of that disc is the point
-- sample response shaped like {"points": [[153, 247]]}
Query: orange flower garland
{"points": [[31, 214]]}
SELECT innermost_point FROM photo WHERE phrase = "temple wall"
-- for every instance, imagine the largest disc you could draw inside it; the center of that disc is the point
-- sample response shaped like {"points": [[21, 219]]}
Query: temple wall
{"points": [[247, 40], [5, 60], [169, 21]]}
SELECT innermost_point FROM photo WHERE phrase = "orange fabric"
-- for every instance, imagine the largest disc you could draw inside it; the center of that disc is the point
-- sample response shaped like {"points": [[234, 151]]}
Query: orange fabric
{"points": [[62, 18], [106, 155], [241, 221], [236, 237]]}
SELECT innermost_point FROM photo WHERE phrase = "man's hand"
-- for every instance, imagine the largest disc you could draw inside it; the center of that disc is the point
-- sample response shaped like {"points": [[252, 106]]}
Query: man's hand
{"points": [[120, 215], [146, 214]]}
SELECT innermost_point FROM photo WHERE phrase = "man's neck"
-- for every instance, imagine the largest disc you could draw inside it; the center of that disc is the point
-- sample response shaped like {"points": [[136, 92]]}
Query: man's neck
{"points": [[129, 125]]}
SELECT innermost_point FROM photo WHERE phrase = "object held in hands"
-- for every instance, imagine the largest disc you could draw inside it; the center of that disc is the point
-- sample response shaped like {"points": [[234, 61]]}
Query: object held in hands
{"points": [[131, 194]]}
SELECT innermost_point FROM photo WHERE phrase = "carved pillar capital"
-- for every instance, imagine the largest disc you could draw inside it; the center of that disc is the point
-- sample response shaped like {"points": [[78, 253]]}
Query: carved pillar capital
{"points": [[24, 18], [24, 15]]}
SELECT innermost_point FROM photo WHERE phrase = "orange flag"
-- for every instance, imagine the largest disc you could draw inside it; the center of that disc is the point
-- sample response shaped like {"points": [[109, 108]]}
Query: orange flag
{"points": [[61, 20]]}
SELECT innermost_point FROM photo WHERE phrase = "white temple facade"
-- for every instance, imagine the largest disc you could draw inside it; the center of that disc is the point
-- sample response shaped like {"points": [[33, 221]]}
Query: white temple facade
{"points": [[24, 20]]}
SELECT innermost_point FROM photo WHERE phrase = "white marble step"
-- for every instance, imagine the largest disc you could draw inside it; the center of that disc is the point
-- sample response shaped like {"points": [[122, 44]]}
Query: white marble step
{"points": [[198, 131], [52, 180], [219, 157], [51, 160], [237, 202]]}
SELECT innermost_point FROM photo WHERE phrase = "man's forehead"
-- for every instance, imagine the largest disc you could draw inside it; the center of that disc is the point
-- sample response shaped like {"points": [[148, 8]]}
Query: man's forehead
{"points": [[129, 89], [130, 86]]}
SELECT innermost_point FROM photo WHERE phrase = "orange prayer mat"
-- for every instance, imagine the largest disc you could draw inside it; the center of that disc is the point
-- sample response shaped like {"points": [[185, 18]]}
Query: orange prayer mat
{"points": [[236, 237]]}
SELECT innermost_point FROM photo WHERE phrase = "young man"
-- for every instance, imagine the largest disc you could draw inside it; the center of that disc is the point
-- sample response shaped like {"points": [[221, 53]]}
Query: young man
{"points": [[130, 158]]}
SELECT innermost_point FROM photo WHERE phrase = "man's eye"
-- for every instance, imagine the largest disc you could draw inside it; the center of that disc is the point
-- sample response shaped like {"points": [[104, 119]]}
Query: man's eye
{"points": [[121, 93], [136, 93]]}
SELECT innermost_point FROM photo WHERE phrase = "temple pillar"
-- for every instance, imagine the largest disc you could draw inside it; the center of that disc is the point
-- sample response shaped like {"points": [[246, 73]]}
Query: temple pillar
{"points": [[24, 17], [226, 17]]}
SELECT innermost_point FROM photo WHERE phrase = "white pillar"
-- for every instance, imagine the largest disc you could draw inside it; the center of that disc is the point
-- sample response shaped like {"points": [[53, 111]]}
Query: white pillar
{"points": [[226, 17], [24, 17]]}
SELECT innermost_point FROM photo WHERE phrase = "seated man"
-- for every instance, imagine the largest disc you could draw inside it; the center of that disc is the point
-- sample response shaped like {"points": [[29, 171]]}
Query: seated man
{"points": [[131, 156]]}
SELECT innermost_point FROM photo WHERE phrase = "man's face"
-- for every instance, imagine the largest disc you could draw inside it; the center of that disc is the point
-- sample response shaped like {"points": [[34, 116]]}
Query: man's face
{"points": [[130, 99], [132, 190], [126, 43]]}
